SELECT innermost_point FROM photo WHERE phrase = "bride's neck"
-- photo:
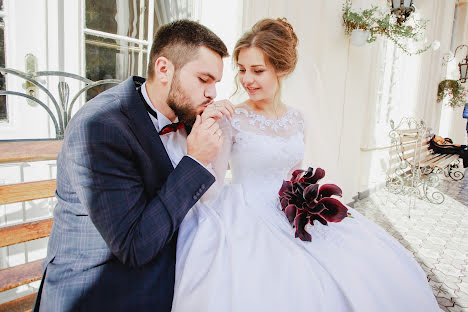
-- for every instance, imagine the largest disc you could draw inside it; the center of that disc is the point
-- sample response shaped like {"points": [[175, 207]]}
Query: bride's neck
{"points": [[267, 108]]}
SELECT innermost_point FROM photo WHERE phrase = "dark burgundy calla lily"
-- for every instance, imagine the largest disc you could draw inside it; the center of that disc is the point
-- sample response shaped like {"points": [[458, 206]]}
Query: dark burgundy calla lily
{"points": [[317, 175], [315, 208], [296, 200], [307, 174], [311, 192], [328, 190], [316, 217], [296, 175], [334, 210], [287, 186], [300, 222], [284, 203], [290, 212], [298, 187], [304, 201]]}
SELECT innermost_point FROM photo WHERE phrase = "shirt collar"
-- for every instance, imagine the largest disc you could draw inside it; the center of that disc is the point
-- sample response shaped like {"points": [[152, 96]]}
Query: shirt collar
{"points": [[162, 120]]}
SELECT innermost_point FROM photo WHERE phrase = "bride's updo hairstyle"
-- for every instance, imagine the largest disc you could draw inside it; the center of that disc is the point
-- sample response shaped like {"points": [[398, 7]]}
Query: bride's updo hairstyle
{"points": [[277, 40]]}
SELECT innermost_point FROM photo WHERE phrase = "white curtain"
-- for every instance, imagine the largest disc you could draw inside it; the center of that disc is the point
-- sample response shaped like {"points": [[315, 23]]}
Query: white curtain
{"points": [[452, 123], [123, 60], [170, 10]]}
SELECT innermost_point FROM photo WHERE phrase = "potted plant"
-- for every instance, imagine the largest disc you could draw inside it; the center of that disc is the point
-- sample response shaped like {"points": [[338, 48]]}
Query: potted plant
{"points": [[358, 25], [452, 90]]}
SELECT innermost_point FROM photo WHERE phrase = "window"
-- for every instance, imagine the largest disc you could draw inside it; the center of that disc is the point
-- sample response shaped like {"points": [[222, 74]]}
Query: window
{"points": [[118, 35], [3, 104]]}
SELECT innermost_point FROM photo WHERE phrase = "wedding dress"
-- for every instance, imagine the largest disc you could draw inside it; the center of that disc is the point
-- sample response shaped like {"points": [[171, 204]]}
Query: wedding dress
{"points": [[237, 251]]}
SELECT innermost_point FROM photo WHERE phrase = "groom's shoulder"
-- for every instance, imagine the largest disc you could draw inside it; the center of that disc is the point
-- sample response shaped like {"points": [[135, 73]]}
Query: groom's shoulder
{"points": [[101, 114], [106, 107], [108, 100]]}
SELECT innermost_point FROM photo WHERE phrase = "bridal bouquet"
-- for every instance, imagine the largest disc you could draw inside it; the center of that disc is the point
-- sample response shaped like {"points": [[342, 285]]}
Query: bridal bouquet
{"points": [[304, 201]]}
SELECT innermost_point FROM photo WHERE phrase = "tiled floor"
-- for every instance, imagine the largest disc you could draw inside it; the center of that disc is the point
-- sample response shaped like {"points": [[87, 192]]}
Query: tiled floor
{"points": [[437, 236]]}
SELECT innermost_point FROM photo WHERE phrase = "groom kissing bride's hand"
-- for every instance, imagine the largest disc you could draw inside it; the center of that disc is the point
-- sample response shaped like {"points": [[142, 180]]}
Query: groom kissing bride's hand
{"points": [[206, 133], [205, 140]]}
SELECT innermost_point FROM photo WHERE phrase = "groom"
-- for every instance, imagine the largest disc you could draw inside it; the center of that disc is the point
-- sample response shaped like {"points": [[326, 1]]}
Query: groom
{"points": [[125, 183]]}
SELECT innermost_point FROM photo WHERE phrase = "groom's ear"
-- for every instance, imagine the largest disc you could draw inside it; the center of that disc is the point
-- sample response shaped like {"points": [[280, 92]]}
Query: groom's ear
{"points": [[164, 69]]}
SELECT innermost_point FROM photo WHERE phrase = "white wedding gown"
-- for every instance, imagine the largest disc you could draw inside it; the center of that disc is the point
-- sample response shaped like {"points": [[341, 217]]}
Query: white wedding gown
{"points": [[237, 251]]}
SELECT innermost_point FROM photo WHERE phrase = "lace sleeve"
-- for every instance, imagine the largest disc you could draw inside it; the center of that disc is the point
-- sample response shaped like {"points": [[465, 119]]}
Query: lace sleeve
{"points": [[219, 166]]}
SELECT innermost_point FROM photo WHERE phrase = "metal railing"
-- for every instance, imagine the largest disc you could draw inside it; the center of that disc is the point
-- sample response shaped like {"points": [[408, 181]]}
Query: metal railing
{"points": [[63, 107]]}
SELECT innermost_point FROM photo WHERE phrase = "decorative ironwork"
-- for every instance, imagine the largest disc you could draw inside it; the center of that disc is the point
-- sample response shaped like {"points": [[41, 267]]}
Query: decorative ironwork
{"points": [[452, 172], [411, 176], [62, 114]]}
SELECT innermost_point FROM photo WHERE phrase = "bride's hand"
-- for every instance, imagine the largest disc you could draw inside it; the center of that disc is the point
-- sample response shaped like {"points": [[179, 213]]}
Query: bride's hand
{"points": [[218, 109]]}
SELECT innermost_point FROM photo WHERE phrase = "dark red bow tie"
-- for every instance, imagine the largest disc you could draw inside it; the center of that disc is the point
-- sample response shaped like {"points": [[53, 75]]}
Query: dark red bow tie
{"points": [[173, 127]]}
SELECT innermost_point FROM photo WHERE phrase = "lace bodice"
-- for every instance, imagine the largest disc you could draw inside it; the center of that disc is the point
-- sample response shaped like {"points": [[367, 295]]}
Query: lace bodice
{"points": [[264, 152]]}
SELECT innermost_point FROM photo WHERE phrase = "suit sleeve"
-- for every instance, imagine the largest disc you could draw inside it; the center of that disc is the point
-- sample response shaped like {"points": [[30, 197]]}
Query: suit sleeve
{"points": [[106, 179]]}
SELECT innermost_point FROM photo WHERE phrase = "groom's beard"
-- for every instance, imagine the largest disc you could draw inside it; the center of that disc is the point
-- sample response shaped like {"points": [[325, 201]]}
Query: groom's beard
{"points": [[181, 104]]}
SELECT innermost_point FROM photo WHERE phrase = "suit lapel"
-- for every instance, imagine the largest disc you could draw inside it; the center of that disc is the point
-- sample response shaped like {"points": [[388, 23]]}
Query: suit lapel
{"points": [[141, 125]]}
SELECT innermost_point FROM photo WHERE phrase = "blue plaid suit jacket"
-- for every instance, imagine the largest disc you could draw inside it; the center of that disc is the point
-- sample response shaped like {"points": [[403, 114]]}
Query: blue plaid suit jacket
{"points": [[120, 203]]}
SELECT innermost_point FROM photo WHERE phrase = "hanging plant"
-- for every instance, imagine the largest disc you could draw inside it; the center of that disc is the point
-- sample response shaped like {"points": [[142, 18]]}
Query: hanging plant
{"points": [[364, 20], [378, 23], [452, 90], [402, 35]]}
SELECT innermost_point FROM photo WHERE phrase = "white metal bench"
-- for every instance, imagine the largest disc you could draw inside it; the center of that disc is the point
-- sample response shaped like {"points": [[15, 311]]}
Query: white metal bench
{"points": [[414, 168]]}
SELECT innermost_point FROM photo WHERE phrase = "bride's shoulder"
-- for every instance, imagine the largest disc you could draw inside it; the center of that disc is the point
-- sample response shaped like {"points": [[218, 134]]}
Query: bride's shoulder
{"points": [[295, 116], [294, 112]]}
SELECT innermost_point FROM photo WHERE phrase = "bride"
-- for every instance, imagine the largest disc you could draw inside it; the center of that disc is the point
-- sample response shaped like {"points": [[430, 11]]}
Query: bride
{"points": [[237, 250]]}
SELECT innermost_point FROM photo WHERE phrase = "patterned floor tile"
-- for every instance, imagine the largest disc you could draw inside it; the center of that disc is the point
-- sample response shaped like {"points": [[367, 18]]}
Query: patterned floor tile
{"points": [[436, 235]]}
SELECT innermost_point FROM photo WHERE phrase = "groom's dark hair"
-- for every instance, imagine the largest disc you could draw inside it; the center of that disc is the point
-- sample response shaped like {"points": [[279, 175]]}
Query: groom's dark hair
{"points": [[179, 42]]}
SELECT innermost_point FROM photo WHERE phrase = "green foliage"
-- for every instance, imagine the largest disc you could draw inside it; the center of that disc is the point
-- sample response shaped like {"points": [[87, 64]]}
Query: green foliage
{"points": [[355, 20], [453, 90], [384, 24]]}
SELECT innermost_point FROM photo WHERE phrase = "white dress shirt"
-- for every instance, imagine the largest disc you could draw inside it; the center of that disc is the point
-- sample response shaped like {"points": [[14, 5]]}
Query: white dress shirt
{"points": [[175, 143]]}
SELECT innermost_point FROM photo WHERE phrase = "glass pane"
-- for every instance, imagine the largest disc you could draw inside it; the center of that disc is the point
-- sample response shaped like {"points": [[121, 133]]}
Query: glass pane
{"points": [[120, 17], [3, 106], [112, 59]]}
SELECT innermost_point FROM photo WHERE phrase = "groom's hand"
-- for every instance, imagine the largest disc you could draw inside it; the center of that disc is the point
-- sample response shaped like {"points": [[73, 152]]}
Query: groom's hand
{"points": [[205, 140], [218, 109]]}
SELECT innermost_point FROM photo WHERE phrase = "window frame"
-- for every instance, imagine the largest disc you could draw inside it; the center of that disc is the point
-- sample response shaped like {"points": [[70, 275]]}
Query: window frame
{"points": [[143, 45]]}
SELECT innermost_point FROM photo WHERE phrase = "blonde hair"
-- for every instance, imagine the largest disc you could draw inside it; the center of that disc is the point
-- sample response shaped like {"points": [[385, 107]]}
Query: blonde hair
{"points": [[277, 40]]}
